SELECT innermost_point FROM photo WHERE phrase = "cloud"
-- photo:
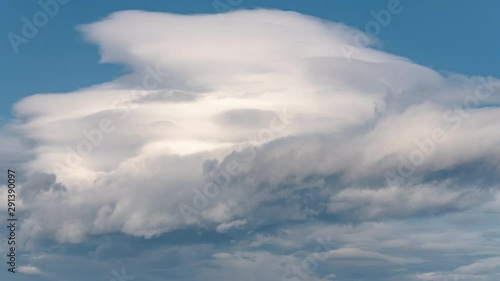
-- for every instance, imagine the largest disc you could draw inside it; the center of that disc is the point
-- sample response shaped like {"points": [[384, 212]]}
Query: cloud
{"points": [[174, 112], [359, 254], [399, 202], [224, 227], [259, 123], [29, 269], [485, 269]]}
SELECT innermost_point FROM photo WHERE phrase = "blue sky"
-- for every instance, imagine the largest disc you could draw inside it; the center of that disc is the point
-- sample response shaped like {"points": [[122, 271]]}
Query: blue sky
{"points": [[164, 140]]}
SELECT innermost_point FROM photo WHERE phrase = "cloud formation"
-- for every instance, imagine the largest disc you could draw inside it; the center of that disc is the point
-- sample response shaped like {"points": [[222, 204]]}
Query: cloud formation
{"points": [[244, 126]]}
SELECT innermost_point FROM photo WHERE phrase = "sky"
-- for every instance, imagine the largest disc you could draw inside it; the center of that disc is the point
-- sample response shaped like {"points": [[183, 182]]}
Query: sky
{"points": [[269, 140]]}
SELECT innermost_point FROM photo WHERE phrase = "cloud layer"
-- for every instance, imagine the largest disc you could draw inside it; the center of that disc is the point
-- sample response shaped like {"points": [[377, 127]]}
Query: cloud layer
{"points": [[257, 131]]}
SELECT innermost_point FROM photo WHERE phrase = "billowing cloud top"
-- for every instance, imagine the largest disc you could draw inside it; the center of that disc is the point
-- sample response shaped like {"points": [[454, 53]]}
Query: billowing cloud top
{"points": [[249, 124]]}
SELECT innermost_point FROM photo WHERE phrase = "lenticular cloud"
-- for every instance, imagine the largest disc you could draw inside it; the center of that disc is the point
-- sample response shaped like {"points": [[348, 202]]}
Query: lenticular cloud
{"points": [[220, 123]]}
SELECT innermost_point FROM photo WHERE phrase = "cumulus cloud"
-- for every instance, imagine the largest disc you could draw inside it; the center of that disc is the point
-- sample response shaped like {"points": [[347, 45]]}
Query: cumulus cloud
{"points": [[246, 124]]}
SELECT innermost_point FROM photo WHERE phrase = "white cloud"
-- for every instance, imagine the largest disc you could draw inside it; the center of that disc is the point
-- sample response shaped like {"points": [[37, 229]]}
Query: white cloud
{"points": [[360, 254], [201, 89], [29, 269], [401, 202], [224, 227]]}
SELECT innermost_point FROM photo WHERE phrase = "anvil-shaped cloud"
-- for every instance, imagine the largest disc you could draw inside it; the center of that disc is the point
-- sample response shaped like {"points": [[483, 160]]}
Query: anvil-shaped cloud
{"points": [[260, 119]]}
